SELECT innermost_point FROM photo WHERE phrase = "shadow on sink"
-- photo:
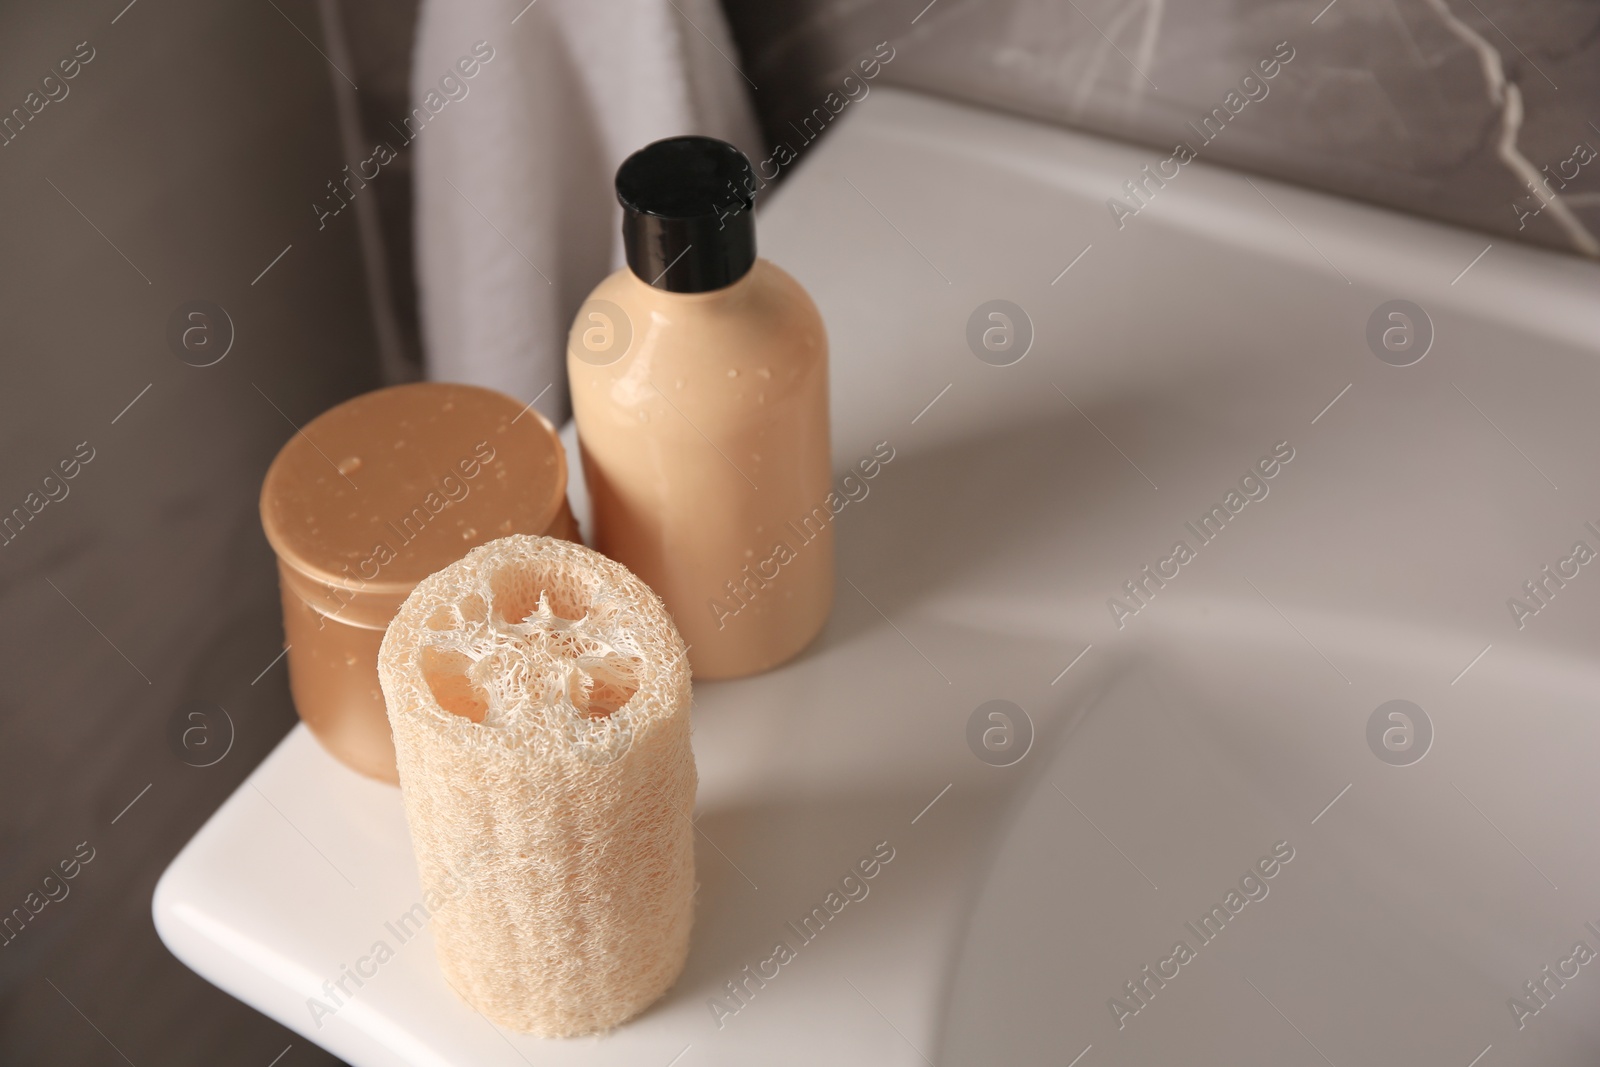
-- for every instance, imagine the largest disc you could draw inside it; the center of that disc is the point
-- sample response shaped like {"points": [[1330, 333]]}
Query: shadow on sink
{"points": [[793, 873], [955, 514]]}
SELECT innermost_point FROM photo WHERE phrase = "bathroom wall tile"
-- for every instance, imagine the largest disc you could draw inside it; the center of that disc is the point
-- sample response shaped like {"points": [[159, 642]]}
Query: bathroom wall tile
{"points": [[1442, 108]]}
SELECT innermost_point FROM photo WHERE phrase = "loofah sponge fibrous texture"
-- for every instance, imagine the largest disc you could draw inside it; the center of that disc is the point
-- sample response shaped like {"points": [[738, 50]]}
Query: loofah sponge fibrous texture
{"points": [[539, 697]]}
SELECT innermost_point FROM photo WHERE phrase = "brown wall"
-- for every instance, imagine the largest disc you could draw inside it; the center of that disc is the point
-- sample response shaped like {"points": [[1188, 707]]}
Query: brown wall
{"points": [[190, 147]]}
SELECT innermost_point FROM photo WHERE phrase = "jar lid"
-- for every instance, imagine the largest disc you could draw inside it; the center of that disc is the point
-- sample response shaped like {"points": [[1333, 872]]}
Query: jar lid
{"points": [[379, 492]]}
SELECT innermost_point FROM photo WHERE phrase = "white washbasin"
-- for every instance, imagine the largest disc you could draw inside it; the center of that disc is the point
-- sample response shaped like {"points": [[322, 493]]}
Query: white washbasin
{"points": [[1220, 719]]}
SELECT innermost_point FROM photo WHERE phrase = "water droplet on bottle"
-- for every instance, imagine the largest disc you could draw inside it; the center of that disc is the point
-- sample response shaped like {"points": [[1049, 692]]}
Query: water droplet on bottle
{"points": [[764, 372], [680, 383], [733, 372], [349, 465], [468, 533], [644, 416]]}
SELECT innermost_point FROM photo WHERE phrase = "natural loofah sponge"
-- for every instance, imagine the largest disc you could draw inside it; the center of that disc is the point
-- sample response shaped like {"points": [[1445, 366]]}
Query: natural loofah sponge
{"points": [[539, 698]]}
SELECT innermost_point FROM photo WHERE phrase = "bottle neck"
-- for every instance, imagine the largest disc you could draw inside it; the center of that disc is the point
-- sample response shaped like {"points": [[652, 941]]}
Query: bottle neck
{"points": [[667, 298]]}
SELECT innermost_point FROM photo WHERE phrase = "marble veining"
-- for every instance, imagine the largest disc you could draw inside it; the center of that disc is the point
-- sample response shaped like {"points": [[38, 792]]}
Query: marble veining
{"points": [[1481, 113]]}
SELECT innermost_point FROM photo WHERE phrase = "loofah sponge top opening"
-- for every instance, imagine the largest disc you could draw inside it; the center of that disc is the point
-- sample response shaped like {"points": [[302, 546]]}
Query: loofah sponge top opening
{"points": [[540, 642]]}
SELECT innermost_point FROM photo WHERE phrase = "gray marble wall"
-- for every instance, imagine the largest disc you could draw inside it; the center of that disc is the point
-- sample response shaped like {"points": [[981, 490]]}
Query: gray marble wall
{"points": [[1481, 113]]}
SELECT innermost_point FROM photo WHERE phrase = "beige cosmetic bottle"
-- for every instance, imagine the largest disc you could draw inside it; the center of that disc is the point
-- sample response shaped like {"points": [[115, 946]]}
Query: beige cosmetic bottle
{"points": [[699, 378]]}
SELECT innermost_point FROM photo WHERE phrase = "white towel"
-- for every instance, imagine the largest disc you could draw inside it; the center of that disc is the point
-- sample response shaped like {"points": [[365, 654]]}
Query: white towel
{"points": [[517, 218]]}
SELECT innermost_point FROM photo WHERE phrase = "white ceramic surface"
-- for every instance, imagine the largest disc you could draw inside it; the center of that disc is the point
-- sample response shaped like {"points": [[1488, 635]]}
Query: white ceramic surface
{"points": [[1177, 751]]}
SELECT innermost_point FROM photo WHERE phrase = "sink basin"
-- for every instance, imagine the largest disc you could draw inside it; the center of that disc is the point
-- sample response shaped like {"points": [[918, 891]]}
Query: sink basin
{"points": [[1060, 741]]}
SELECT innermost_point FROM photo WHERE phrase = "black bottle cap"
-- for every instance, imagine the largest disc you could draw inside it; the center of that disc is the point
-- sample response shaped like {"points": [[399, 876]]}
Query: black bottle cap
{"points": [[687, 219]]}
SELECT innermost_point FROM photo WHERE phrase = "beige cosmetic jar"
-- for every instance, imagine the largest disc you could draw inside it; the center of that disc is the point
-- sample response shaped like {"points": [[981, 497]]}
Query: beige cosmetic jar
{"points": [[371, 497]]}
